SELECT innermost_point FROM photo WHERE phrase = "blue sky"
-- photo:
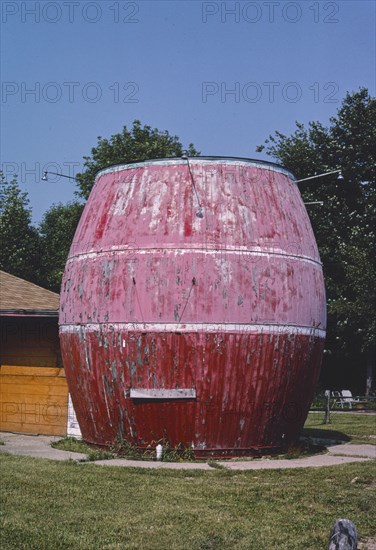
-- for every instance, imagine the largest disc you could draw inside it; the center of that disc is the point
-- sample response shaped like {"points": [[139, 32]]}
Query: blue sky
{"points": [[223, 75]]}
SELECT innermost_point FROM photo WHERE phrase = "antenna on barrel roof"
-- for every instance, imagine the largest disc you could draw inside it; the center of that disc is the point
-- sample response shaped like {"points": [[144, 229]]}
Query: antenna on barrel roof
{"points": [[200, 212]]}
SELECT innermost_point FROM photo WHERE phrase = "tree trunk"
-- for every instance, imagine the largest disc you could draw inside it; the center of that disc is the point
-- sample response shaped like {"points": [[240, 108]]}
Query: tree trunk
{"points": [[327, 407], [370, 375]]}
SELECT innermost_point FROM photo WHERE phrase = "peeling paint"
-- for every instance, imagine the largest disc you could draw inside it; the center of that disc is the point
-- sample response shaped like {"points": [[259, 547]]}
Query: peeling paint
{"points": [[155, 298]]}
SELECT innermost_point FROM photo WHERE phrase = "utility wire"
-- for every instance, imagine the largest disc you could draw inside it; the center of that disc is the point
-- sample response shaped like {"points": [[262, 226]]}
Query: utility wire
{"points": [[187, 300], [138, 300], [199, 212]]}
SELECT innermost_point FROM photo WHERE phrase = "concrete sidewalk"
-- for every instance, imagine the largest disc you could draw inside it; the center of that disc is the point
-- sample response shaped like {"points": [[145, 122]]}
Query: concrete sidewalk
{"points": [[39, 446]]}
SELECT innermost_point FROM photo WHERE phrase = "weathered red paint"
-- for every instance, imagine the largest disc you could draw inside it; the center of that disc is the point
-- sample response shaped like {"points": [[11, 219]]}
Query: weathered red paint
{"points": [[231, 305]]}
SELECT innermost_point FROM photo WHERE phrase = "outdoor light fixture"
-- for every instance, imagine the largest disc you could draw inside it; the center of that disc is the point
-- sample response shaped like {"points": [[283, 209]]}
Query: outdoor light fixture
{"points": [[45, 175], [200, 212], [339, 177]]}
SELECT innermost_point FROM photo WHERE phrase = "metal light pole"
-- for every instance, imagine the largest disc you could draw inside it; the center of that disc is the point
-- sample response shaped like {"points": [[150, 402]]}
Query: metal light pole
{"points": [[339, 177], [45, 175]]}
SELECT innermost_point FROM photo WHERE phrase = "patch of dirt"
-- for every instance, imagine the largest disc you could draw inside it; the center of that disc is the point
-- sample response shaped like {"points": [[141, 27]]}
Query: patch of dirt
{"points": [[367, 544]]}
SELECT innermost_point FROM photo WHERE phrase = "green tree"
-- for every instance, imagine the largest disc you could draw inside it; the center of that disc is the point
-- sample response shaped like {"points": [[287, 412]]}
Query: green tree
{"points": [[137, 144], [345, 224], [19, 254], [56, 233]]}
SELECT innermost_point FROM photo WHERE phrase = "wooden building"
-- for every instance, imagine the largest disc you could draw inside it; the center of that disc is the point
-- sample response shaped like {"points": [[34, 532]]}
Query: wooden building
{"points": [[33, 388]]}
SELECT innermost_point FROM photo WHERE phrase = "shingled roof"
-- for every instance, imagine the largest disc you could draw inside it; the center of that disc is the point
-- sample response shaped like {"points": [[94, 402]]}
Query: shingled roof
{"points": [[19, 297]]}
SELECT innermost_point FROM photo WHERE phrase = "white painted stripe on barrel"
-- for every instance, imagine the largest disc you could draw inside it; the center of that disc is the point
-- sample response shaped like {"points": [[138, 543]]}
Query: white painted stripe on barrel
{"points": [[200, 327], [133, 252]]}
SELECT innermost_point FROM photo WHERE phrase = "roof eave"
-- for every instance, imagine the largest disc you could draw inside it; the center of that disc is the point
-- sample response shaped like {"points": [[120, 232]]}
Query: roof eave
{"points": [[29, 313]]}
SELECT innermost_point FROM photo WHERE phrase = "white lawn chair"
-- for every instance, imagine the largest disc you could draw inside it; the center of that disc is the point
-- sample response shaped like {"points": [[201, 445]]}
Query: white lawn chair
{"points": [[348, 399]]}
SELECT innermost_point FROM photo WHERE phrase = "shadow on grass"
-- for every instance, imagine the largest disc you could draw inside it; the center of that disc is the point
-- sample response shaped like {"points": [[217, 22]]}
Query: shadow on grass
{"points": [[330, 437]]}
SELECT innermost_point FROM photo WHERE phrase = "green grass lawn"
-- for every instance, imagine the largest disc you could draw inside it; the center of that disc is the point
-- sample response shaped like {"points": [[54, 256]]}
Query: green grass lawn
{"points": [[354, 428], [55, 505], [69, 505]]}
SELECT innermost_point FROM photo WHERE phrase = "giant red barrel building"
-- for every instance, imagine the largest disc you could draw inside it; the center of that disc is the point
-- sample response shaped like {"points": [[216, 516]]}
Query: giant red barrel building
{"points": [[193, 306]]}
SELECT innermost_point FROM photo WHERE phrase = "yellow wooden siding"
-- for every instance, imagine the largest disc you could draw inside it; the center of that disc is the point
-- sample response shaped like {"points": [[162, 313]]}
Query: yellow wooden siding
{"points": [[33, 400]]}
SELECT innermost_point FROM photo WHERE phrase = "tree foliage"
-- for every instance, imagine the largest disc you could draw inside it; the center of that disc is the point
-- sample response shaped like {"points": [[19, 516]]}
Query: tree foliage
{"points": [[19, 254], [137, 144], [345, 224], [56, 232]]}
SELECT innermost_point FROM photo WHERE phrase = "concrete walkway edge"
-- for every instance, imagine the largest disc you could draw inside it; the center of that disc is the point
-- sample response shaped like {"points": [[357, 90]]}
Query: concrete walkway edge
{"points": [[39, 446]]}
